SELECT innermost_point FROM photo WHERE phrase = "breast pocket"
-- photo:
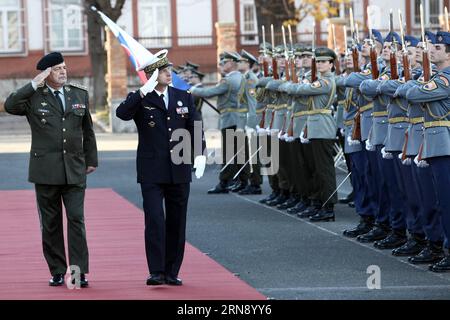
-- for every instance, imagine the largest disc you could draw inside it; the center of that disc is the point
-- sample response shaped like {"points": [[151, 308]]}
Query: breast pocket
{"points": [[79, 112]]}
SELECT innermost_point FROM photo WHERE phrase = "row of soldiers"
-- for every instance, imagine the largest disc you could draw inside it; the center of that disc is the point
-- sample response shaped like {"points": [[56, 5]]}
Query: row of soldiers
{"points": [[399, 162]]}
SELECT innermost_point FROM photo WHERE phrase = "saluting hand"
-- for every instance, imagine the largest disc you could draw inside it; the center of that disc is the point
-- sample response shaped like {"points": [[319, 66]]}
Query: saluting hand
{"points": [[40, 78], [90, 169]]}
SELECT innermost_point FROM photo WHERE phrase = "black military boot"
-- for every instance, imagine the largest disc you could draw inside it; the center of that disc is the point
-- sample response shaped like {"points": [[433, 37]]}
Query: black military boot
{"points": [[270, 197], [441, 266], [365, 225], [324, 214], [278, 200], [299, 207], [412, 247], [347, 199], [395, 239], [309, 212], [378, 232], [250, 189], [289, 203], [239, 186], [432, 253], [220, 188]]}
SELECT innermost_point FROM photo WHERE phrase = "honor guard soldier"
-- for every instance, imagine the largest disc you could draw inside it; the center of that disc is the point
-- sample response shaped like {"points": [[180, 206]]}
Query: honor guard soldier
{"points": [[434, 95], [227, 92], [159, 110], [195, 80], [63, 151]]}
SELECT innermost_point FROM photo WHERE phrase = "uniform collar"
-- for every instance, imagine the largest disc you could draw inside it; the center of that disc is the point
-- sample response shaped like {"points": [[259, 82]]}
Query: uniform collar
{"points": [[164, 92]]}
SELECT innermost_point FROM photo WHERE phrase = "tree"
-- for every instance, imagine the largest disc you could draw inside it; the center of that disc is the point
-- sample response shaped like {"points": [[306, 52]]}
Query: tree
{"points": [[96, 39]]}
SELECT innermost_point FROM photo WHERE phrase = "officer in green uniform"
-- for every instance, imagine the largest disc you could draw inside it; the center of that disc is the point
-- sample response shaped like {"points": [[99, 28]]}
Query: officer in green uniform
{"points": [[226, 92], [63, 151]]}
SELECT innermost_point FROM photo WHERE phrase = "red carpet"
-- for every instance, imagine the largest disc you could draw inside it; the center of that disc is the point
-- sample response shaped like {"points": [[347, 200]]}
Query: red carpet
{"points": [[118, 268]]}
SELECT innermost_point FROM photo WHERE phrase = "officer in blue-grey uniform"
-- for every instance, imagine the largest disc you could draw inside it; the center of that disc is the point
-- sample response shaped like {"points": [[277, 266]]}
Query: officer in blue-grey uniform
{"points": [[227, 92], [436, 145], [162, 115]]}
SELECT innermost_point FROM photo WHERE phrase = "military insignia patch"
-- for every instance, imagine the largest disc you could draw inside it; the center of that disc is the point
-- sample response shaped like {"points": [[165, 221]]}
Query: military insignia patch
{"points": [[78, 106], [366, 72], [384, 77], [152, 124], [430, 86], [68, 89], [43, 104], [43, 111], [252, 92], [179, 103], [444, 80], [149, 108], [45, 90], [316, 84], [182, 110]]}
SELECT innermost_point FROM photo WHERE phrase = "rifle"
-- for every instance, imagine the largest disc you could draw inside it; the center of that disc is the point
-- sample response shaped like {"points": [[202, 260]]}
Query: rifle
{"points": [[274, 60], [313, 62], [405, 59], [336, 63], [265, 71], [373, 50], [286, 56], [294, 77], [425, 55], [393, 58], [355, 53]]}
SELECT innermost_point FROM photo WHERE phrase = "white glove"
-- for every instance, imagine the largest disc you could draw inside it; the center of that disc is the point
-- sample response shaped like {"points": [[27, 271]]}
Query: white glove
{"points": [[289, 139], [249, 130], [38, 81], [260, 130], [341, 130], [406, 162], [369, 146], [199, 166], [421, 163], [386, 155], [352, 142], [273, 132], [302, 138], [150, 84]]}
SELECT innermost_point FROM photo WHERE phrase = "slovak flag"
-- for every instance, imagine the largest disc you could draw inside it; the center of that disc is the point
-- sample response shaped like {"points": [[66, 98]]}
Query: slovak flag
{"points": [[137, 53]]}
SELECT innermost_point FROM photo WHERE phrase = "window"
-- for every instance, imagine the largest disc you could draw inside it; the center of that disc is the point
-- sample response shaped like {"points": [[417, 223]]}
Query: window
{"points": [[65, 25], [11, 27], [340, 9], [249, 25], [432, 9], [155, 23]]}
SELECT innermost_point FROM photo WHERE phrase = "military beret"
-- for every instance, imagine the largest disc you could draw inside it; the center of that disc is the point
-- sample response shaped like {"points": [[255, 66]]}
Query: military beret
{"points": [[430, 36], [50, 60], [230, 56], [393, 36], [411, 41], [376, 36], [325, 54], [191, 65], [443, 37], [198, 73], [247, 56]]}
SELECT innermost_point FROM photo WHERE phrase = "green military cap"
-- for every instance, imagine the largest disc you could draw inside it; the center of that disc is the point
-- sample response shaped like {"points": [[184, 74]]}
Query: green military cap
{"points": [[191, 65], [268, 48], [325, 54], [248, 57], [298, 49], [230, 56], [279, 51]]}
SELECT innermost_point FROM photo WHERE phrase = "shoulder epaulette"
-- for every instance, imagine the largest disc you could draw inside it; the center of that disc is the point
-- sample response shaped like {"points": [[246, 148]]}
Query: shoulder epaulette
{"points": [[79, 86]]}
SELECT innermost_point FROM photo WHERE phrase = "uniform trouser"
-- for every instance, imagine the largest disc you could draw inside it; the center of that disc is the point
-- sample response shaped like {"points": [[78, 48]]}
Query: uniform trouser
{"points": [[292, 168], [376, 187], [49, 202], [361, 199], [273, 178], [397, 210], [440, 167], [325, 175], [409, 189], [430, 212], [253, 174], [310, 184], [283, 171], [165, 234], [229, 172]]}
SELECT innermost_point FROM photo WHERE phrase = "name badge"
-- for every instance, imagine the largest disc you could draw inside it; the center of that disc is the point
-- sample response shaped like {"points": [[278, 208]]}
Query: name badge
{"points": [[182, 110], [43, 110], [78, 106]]}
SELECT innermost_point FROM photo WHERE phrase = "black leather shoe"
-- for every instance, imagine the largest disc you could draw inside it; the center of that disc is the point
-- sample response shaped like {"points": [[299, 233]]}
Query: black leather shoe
{"points": [[299, 207], [351, 204], [394, 240], [289, 203], [84, 283], [322, 215], [238, 187], [441, 266], [432, 253], [155, 279], [378, 232], [270, 197], [412, 247], [308, 212], [56, 281], [220, 188], [173, 281], [347, 199], [278, 200], [364, 226], [251, 189]]}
